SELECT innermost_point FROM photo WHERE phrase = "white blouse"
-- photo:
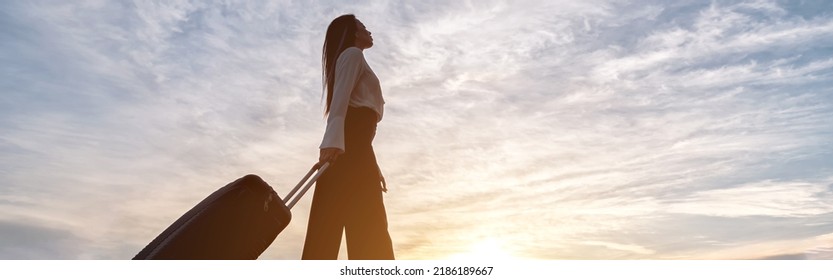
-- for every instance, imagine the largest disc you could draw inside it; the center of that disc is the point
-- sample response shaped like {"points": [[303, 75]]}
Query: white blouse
{"points": [[356, 86]]}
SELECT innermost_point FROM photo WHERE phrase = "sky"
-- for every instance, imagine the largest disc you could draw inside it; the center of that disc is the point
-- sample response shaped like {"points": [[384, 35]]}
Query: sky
{"points": [[597, 129]]}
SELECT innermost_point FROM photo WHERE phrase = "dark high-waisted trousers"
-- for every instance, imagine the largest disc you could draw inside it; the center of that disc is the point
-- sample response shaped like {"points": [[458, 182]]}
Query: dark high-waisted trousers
{"points": [[348, 198]]}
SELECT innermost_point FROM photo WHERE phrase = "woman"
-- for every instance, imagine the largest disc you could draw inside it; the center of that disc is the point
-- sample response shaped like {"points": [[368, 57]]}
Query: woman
{"points": [[348, 196]]}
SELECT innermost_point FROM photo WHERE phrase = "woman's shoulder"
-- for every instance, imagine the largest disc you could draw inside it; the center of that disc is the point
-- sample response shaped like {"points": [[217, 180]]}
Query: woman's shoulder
{"points": [[351, 52]]}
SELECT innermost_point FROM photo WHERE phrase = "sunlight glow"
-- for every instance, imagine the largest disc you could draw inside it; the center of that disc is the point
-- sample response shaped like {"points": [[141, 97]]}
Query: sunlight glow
{"points": [[489, 249]]}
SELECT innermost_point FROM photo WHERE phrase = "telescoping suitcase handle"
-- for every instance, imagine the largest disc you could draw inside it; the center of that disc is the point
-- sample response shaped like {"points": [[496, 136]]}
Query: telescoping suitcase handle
{"points": [[291, 199]]}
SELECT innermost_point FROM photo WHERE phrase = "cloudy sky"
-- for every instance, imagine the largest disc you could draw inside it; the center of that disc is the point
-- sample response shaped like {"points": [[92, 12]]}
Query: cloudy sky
{"points": [[597, 129]]}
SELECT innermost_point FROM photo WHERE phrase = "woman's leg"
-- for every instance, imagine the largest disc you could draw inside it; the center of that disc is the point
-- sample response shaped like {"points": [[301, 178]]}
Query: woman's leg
{"points": [[326, 222], [366, 222], [367, 227]]}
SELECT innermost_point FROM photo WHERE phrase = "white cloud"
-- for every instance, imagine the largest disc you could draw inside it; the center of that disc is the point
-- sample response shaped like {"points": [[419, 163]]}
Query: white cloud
{"points": [[807, 248], [767, 198], [636, 249]]}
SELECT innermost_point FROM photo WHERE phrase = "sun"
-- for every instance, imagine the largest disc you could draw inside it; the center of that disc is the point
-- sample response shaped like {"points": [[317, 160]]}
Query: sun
{"points": [[488, 249]]}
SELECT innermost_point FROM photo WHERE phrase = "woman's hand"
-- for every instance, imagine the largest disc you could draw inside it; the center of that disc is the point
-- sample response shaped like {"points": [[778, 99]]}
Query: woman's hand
{"points": [[328, 155]]}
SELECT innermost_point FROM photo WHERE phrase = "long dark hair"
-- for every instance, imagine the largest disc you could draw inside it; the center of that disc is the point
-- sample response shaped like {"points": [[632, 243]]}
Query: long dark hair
{"points": [[341, 34]]}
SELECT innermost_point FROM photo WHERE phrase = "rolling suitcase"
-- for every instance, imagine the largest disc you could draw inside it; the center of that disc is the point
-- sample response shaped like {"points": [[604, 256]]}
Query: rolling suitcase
{"points": [[236, 222]]}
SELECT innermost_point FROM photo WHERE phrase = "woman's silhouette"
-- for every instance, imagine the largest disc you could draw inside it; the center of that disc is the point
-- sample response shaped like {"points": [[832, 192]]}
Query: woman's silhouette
{"points": [[348, 196]]}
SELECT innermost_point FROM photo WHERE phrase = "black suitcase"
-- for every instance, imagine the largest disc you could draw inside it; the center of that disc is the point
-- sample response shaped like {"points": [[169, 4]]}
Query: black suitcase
{"points": [[236, 222]]}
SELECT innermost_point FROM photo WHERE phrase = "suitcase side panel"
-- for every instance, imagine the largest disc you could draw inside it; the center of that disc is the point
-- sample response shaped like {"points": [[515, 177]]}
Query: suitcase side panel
{"points": [[238, 221]]}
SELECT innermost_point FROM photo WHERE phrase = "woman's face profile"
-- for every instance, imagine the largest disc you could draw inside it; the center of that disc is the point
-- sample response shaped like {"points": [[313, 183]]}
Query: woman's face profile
{"points": [[363, 38]]}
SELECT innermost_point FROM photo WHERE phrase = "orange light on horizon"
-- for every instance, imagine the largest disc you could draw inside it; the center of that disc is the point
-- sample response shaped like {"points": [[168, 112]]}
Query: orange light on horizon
{"points": [[488, 249]]}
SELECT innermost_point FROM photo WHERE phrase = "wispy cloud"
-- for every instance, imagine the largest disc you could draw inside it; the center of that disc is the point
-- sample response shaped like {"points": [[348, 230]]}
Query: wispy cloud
{"points": [[767, 198]]}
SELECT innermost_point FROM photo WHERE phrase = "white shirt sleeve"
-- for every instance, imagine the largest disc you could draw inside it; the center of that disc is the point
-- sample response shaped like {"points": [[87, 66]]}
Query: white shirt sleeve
{"points": [[348, 70]]}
